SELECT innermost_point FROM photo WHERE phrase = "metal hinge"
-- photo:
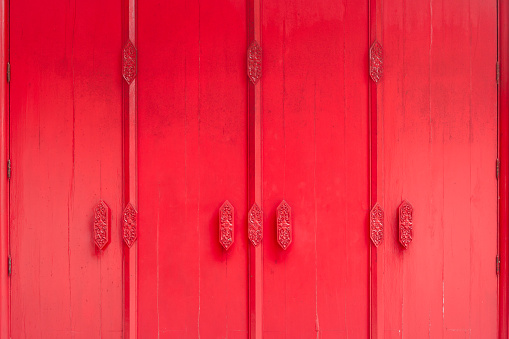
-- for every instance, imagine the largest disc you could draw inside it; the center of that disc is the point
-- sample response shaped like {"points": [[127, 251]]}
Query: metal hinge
{"points": [[497, 264], [9, 169], [9, 266], [498, 72], [8, 72], [497, 169]]}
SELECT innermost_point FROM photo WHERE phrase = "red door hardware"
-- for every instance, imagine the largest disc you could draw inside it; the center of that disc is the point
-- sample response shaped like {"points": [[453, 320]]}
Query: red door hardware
{"points": [[130, 227], [284, 225], [405, 223], [376, 224], [129, 62], [254, 62], [376, 61], [255, 225], [101, 225], [226, 225]]}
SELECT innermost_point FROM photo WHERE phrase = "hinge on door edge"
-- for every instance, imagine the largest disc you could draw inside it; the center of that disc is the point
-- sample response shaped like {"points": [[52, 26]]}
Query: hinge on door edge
{"points": [[497, 173], [497, 263], [9, 169], [8, 72], [9, 266], [498, 72]]}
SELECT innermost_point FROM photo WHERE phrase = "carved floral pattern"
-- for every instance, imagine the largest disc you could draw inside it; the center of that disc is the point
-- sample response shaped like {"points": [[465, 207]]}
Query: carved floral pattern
{"points": [[405, 223], [130, 226], [254, 62], [226, 224], [129, 62], [376, 61], [255, 225], [376, 224], [101, 225], [284, 225]]}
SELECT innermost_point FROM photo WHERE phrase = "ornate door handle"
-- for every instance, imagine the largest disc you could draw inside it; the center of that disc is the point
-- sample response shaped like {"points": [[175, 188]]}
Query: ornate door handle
{"points": [[406, 231], [284, 225], [101, 225], [226, 225]]}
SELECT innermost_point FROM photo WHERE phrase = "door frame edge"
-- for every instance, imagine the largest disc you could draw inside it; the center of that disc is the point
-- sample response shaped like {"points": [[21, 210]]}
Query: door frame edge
{"points": [[503, 159], [4, 184]]}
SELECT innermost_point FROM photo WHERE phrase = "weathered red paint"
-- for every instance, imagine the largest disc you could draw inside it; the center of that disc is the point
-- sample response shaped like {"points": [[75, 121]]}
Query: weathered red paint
{"points": [[66, 154], [332, 136], [315, 157], [192, 120], [438, 124]]}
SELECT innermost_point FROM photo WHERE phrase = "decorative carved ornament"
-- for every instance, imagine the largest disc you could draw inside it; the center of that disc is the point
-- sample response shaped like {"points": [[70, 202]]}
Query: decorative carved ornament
{"points": [[284, 225], [254, 62], [130, 225], [226, 224], [376, 224], [101, 225], [376, 62], [129, 62], [255, 225], [405, 223]]}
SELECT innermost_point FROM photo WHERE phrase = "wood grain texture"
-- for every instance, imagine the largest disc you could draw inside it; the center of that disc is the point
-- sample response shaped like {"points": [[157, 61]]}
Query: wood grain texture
{"points": [[439, 126], [315, 157], [192, 100], [66, 144]]}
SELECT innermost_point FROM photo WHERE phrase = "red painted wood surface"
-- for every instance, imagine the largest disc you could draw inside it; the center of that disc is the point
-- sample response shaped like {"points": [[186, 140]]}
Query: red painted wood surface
{"points": [[66, 151], [255, 161], [130, 219], [192, 115], [315, 157], [199, 115], [438, 118]]}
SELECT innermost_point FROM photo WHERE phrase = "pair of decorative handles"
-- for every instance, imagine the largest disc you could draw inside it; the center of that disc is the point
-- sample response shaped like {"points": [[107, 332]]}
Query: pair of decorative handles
{"points": [[102, 219], [405, 223], [255, 225]]}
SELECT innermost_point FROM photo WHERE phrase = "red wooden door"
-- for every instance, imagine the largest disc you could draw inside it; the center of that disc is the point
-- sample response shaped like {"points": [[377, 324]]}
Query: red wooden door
{"points": [[315, 157], [66, 153], [192, 102], [438, 149], [213, 141]]}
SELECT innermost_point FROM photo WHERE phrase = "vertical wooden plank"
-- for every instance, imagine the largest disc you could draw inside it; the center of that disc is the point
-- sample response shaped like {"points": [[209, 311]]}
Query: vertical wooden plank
{"points": [[503, 154], [439, 139], [130, 171], [315, 155], [255, 253], [193, 157], [96, 298], [482, 22], [376, 253]]}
